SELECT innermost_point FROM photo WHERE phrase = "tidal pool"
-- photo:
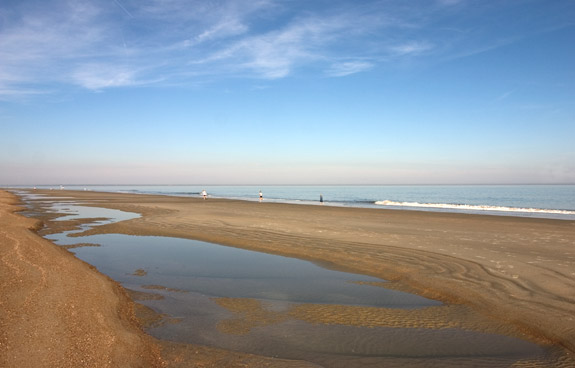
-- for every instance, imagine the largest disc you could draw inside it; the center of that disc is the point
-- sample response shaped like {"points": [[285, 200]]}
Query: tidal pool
{"points": [[248, 301]]}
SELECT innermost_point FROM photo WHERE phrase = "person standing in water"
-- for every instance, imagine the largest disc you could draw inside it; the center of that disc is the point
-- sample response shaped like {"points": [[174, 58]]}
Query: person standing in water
{"points": [[321, 198], [261, 196], [204, 194]]}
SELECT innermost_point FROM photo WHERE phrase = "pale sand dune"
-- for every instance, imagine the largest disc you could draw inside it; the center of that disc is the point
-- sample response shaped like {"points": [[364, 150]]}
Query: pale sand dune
{"points": [[517, 271]]}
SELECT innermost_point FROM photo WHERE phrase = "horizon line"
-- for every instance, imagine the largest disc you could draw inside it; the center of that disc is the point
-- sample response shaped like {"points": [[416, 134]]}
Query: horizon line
{"points": [[283, 185]]}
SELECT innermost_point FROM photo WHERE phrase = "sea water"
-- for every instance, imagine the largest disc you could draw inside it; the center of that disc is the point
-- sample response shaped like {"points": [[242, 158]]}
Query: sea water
{"points": [[547, 201]]}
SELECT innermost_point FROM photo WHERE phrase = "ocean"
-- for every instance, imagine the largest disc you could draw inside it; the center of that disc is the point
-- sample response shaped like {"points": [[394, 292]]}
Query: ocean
{"points": [[546, 201]]}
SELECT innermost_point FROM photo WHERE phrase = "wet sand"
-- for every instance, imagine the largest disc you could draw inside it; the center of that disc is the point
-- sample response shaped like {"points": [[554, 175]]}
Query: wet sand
{"points": [[518, 272]]}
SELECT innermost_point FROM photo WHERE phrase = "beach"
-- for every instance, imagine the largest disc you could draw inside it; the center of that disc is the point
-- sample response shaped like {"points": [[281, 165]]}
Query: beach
{"points": [[58, 311], [517, 272]]}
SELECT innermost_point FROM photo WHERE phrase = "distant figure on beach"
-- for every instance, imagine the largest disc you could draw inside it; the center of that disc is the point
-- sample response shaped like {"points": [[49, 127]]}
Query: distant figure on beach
{"points": [[204, 194], [261, 196], [321, 198]]}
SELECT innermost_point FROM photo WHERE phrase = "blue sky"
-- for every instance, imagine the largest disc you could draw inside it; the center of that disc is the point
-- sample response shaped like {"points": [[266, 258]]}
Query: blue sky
{"points": [[287, 92]]}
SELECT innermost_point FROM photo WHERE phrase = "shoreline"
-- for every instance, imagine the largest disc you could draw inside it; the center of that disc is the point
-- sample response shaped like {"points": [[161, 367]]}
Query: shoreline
{"points": [[524, 262], [459, 205]]}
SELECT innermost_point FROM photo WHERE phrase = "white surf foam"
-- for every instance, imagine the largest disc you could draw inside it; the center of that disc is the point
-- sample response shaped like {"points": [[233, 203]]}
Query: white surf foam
{"points": [[468, 207]]}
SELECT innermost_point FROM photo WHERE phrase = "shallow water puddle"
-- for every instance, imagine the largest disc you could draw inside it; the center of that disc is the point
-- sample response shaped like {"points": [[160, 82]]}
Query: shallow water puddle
{"points": [[218, 271], [288, 308], [100, 216], [74, 212]]}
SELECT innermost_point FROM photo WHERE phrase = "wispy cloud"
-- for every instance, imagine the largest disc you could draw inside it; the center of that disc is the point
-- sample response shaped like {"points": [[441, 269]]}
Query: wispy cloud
{"points": [[123, 8], [504, 95], [101, 76], [224, 28], [98, 45], [7, 94], [449, 2], [275, 53], [39, 46], [348, 68], [411, 48]]}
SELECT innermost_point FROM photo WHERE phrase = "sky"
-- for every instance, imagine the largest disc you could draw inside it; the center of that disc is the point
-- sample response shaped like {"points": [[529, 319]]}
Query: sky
{"points": [[287, 92]]}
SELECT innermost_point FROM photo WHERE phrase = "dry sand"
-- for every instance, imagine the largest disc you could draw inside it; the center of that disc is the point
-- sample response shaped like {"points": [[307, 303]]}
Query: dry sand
{"points": [[519, 272]]}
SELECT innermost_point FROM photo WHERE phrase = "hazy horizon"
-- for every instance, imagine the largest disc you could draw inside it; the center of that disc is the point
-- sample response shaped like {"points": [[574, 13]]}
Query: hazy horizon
{"points": [[65, 185]]}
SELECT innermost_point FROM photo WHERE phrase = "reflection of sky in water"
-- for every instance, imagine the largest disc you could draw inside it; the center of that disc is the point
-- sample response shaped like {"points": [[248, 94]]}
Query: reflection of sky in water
{"points": [[75, 212], [217, 270]]}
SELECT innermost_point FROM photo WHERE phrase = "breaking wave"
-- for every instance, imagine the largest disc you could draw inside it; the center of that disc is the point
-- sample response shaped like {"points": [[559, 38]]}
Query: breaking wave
{"points": [[469, 207]]}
